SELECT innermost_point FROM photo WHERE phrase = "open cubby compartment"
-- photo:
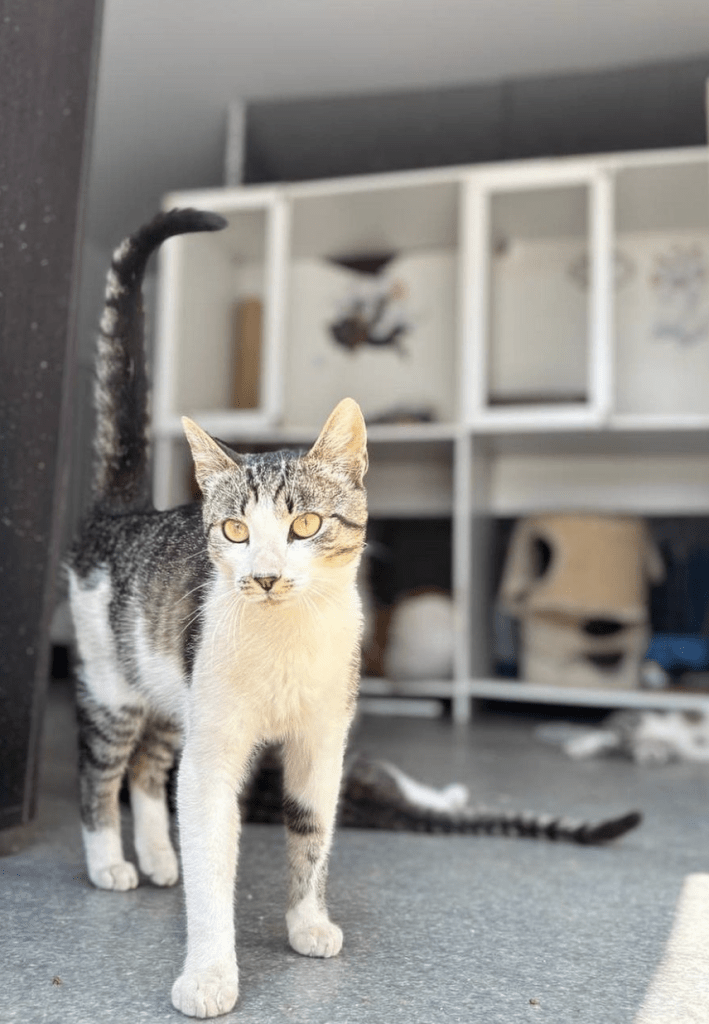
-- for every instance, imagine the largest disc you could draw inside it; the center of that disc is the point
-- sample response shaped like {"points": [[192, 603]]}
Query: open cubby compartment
{"points": [[535, 295], [372, 299], [661, 316], [410, 631], [515, 474], [662, 476], [634, 472], [538, 321], [409, 479], [207, 281], [677, 604]]}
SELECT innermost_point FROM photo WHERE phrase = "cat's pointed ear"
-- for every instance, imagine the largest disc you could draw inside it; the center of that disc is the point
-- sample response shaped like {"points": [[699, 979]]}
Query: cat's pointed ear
{"points": [[343, 440], [207, 455]]}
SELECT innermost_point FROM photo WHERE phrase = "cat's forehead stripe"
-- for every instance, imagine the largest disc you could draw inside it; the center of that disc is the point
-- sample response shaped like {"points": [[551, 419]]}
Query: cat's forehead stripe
{"points": [[270, 473], [252, 482], [281, 490]]}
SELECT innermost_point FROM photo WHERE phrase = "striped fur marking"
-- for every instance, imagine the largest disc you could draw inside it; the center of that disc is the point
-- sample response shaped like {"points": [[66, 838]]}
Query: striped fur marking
{"points": [[299, 819]]}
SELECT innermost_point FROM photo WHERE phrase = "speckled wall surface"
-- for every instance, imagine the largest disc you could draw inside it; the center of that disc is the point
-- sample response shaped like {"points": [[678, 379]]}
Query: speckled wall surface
{"points": [[47, 73]]}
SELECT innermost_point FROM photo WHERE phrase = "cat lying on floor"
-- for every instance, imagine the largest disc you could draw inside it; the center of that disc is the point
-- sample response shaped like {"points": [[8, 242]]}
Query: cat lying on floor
{"points": [[646, 737], [378, 795]]}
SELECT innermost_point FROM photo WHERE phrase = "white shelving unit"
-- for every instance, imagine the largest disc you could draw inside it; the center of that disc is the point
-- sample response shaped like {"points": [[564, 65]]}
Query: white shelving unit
{"points": [[557, 316]]}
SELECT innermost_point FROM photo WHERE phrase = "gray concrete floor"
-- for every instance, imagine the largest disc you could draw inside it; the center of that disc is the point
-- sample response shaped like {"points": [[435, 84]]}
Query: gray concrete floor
{"points": [[436, 928]]}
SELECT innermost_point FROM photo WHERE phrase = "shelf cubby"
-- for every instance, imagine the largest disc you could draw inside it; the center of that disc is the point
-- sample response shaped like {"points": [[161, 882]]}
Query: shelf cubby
{"points": [[661, 294], [204, 282], [372, 299]]}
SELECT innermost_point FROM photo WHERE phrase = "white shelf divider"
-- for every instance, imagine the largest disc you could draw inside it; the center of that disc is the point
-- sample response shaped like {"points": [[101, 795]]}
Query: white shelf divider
{"points": [[601, 362]]}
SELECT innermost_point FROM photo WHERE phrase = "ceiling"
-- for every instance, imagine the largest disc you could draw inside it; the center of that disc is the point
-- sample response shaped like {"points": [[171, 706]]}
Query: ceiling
{"points": [[167, 70]]}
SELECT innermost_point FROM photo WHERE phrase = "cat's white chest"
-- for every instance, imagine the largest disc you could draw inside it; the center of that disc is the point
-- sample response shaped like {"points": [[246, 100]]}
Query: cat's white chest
{"points": [[283, 665]]}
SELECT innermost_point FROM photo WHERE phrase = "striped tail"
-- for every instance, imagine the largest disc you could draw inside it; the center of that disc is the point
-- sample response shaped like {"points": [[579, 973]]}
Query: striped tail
{"points": [[121, 391], [374, 797]]}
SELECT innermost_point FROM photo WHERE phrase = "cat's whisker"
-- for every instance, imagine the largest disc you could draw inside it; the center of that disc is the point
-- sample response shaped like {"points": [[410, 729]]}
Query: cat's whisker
{"points": [[227, 619], [188, 623], [193, 556], [202, 586]]}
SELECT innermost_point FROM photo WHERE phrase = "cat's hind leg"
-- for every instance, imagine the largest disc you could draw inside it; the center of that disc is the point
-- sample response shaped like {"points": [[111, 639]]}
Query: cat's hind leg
{"points": [[312, 773], [107, 737], [110, 719], [149, 766]]}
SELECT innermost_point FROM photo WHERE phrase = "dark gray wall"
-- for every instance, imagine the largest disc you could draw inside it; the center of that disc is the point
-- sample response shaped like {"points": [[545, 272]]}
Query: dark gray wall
{"points": [[47, 78], [645, 107]]}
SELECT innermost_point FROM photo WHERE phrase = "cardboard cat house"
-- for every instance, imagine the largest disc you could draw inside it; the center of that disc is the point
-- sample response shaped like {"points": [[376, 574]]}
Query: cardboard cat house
{"points": [[579, 584]]}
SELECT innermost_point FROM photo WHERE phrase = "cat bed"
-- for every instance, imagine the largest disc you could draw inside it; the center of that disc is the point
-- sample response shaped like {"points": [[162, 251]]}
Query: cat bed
{"points": [[558, 651], [579, 584]]}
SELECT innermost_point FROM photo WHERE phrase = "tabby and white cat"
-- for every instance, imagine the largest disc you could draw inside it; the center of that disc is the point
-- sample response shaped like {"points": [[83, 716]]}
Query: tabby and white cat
{"points": [[218, 628], [235, 622], [646, 737]]}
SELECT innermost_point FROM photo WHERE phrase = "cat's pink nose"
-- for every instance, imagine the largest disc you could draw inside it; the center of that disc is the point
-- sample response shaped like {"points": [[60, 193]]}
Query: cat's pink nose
{"points": [[266, 581]]}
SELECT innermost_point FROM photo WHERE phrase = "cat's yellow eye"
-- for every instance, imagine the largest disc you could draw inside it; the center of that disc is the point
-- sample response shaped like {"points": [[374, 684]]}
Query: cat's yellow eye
{"points": [[235, 531], [306, 525]]}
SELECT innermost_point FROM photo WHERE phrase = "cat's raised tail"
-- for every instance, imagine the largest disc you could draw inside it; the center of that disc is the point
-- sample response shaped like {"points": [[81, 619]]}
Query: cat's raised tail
{"points": [[121, 387]]}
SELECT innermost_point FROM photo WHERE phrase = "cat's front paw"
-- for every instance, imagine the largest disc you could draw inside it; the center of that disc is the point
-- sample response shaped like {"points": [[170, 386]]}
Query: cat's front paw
{"points": [[120, 876], [206, 993], [321, 939]]}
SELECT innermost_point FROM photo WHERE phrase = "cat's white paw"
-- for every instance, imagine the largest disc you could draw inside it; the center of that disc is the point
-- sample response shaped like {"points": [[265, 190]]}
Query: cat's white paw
{"points": [[160, 866], [206, 993], [120, 876], [653, 752], [456, 796], [321, 939]]}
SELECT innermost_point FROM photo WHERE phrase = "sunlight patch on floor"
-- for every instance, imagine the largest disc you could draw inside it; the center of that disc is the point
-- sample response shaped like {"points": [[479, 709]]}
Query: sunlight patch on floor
{"points": [[679, 990]]}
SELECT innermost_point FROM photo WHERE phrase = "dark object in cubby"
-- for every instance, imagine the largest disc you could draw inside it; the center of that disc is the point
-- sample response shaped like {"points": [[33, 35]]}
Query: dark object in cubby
{"points": [[410, 555], [681, 604], [602, 627], [61, 662], [680, 608]]}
